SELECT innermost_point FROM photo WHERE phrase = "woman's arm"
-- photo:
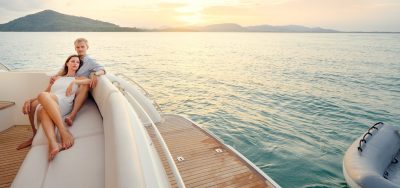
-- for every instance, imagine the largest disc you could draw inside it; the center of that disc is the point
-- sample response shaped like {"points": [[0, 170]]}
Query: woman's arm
{"points": [[78, 81], [81, 81]]}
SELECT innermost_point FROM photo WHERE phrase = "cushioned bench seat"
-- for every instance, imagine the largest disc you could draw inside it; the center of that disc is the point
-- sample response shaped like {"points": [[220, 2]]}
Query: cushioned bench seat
{"points": [[80, 166], [111, 149]]}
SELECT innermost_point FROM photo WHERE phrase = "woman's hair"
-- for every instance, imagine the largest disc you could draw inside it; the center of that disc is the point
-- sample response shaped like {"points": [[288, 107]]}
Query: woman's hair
{"points": [[65, 69]]}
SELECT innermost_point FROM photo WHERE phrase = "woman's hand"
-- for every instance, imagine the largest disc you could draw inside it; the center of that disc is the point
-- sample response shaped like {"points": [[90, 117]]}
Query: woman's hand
{"points": [[27, 107], [69, 88]]}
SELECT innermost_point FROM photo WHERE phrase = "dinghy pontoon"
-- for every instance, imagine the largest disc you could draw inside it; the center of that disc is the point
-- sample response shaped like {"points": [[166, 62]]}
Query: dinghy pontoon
{"points": [[372, 160]]}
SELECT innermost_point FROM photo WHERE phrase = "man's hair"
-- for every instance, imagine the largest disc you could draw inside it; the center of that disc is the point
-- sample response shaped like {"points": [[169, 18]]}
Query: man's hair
{"points": [[78, 40]]}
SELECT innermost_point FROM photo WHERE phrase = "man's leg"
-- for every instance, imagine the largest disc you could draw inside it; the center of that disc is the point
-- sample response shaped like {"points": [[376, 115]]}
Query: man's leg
{"points": [[31, 115], [80, 98]]}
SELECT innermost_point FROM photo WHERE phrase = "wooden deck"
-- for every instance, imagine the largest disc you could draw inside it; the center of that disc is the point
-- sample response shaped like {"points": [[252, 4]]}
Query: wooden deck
{"points": [[203, 166], [11, 158]]}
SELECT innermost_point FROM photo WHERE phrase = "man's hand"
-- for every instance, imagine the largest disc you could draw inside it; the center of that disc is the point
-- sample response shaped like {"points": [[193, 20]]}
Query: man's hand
{"points": [[93, 82], [27, 107]]}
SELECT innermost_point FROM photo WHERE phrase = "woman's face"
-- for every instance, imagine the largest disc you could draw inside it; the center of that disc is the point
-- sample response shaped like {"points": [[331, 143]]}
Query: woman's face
{"points": [[73, 64]]}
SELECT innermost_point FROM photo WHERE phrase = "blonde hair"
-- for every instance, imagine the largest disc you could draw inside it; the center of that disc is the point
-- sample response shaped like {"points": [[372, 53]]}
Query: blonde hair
{"points": [[78, 40]]}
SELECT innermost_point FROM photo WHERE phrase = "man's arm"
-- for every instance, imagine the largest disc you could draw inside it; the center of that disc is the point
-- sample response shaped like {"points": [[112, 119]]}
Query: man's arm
{"points": [[97, 70], [100, 72]]}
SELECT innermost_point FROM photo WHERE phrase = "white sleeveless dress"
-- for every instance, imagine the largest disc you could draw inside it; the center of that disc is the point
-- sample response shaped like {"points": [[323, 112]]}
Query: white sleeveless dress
{"points": [[59, 88]]}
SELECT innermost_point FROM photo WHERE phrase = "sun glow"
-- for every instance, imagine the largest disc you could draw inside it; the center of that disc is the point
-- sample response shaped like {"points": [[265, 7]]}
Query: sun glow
{"points": [[194, 19], [190, 14]]}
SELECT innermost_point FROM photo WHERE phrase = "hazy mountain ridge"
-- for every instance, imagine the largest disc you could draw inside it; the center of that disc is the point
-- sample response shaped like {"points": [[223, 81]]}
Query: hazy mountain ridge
{"points": [[49, 20]]}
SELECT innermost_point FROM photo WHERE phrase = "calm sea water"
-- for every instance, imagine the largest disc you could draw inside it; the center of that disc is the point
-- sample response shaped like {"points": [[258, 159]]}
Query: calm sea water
{"points": [[291, 103]]}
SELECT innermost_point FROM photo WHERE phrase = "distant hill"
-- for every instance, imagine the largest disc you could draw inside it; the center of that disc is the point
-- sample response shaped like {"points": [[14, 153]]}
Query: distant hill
{"points": [[232, 27], [49, 20], [289, 28]]}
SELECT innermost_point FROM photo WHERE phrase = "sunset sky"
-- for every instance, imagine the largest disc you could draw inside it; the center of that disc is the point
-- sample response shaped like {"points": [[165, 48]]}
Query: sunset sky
{"points": [[345, 15]]}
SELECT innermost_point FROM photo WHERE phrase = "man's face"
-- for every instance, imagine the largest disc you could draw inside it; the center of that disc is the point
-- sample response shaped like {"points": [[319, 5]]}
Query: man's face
{"points": [[81, 48]]}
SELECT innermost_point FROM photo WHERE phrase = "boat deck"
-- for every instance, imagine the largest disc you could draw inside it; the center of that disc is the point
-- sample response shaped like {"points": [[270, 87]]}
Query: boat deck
{"points": [[207, 162], [11, 158], [202, 164]]}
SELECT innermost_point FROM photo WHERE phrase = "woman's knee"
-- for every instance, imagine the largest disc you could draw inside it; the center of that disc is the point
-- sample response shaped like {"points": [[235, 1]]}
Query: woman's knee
{"points": [[43, 96]]}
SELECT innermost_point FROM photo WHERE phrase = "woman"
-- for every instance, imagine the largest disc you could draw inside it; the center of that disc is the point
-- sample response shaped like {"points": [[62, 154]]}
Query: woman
{"points": [[56, 101]]}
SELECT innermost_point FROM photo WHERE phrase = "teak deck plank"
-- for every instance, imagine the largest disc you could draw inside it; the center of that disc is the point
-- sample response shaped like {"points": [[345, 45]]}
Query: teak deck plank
{"points": [[202, 165], [11, 158]]}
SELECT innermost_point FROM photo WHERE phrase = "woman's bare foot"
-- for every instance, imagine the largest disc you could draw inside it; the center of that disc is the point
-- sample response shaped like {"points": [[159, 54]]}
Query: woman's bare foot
{"points": [[67, 140], [54, 148], [69, 120], [25, 144]]}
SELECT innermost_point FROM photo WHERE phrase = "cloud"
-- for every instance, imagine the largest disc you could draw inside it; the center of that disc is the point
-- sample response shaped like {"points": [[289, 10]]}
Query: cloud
{"points": [[348, 15], [170, 6], [21, 5]]}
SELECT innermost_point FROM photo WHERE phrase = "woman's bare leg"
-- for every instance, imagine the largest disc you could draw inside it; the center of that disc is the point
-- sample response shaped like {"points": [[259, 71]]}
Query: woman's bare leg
{"points": [[31, 115], [49, 103], [48, 128]]}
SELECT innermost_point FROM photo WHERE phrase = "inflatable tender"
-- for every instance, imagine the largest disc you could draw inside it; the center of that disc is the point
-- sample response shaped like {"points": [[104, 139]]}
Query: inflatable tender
{"points": [[372, 161]]}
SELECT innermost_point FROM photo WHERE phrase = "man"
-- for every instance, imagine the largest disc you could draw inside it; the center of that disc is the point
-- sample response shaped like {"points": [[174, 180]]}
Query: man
{"points": [[90, 68]]}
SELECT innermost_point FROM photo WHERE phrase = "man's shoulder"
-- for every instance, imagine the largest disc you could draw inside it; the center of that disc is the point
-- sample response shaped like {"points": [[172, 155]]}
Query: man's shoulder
{"points": [[88, 58]]}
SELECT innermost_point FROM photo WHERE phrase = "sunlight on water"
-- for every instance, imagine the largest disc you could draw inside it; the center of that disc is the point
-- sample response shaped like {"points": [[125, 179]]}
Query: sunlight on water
{"points": [[291, 103]]}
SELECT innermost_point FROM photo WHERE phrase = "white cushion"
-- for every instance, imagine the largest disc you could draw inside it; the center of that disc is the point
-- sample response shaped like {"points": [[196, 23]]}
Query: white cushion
{"points": [[102, 91], [33, 170], [80, 166], [122, 163], [40, 137], [88, 121]]}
